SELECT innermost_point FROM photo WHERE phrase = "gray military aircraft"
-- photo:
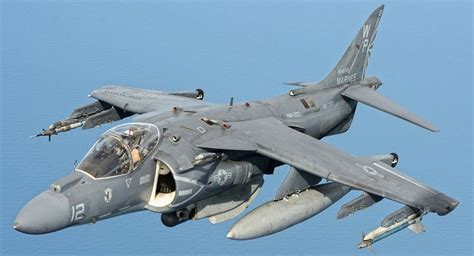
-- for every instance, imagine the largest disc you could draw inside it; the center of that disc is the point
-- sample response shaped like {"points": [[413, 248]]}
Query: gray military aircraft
{"points": [[189, 159]]}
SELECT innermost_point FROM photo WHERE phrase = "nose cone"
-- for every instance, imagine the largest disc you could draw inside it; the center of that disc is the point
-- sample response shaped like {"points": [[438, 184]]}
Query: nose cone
{"points": [[47, 212]]}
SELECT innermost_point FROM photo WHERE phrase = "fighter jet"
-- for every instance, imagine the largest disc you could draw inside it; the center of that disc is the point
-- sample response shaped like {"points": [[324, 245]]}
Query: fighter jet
{"points": [[188, 159]]}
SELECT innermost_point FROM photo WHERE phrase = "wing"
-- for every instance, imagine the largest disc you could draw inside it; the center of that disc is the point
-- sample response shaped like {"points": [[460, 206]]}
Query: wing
{"points": [[271, 138], [139, 101], [117, 102]]}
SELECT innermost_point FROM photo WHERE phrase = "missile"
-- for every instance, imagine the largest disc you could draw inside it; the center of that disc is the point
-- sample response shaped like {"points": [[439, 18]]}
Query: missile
{"points": [[58, 127], [395, 222], [275, 216], [87, 117]]}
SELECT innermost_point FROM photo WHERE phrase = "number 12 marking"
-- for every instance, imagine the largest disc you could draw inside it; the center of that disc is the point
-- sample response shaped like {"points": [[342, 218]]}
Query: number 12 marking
{"points": [[77, 212]]}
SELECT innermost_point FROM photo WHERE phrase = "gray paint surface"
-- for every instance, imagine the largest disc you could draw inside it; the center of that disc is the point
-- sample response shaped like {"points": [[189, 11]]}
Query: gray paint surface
{"points": [[246, 138]]}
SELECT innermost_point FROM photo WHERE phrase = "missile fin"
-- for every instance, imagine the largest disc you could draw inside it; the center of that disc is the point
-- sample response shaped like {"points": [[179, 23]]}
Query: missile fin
{"points": [[417, 228]]}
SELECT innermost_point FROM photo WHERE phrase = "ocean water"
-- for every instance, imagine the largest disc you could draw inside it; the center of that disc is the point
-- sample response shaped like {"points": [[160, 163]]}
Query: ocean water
{"points": [[55, 53]]}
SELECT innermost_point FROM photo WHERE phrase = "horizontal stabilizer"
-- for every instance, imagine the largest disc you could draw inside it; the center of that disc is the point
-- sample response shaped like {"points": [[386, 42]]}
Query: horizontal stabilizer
{"points": [[301, 84], [371, 98]]}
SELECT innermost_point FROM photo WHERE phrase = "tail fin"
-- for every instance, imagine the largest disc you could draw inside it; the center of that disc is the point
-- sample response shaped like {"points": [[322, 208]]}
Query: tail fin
{"points": [[351, 67]]}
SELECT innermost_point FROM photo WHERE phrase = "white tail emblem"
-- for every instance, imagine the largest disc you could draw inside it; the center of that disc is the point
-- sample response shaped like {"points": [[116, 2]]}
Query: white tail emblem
{"points": [[365, 31], [365, 37]]}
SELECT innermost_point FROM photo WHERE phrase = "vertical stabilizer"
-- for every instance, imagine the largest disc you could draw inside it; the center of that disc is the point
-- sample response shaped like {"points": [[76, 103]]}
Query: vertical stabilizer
{"points": [[351, 67]]}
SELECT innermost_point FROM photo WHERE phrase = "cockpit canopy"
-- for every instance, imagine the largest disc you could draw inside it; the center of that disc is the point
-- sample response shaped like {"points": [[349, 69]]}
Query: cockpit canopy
{"points": [[120, 150]]}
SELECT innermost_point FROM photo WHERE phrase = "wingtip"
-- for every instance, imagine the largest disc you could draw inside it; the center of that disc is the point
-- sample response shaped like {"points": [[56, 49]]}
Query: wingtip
{"points": [[292, 83], [432, 128]]}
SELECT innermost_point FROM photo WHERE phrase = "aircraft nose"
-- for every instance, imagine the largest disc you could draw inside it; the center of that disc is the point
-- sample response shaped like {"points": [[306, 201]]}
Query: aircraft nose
{"points": [[47, 212]]}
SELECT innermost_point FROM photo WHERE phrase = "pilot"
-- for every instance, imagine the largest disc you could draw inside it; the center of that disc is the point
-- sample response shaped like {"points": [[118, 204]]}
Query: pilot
{"points": [[132, 136], [122, 157], [134, 140]]}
